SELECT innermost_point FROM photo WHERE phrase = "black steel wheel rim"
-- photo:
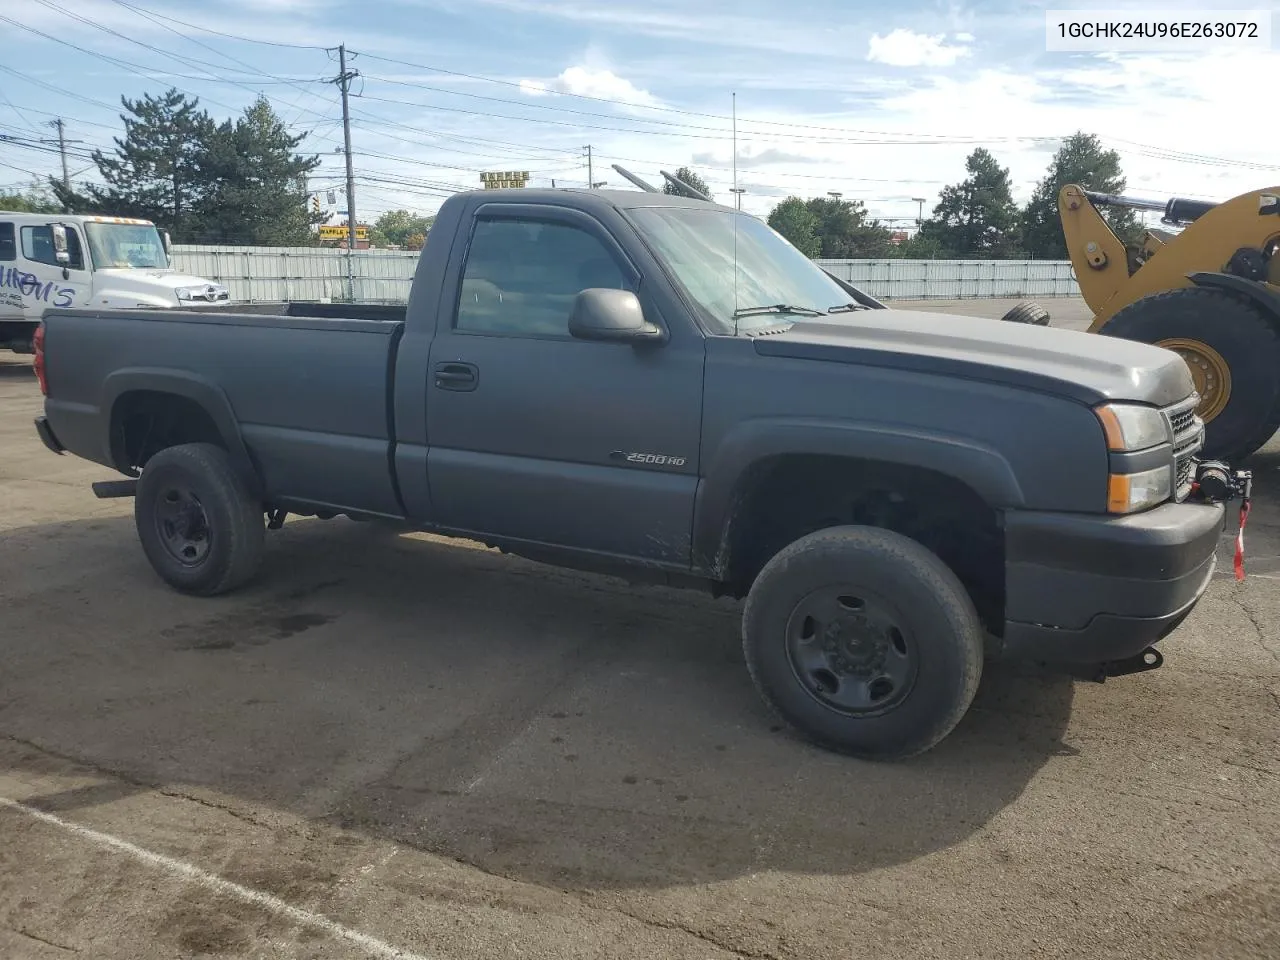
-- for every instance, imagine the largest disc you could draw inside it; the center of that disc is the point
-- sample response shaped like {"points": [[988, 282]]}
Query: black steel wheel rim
{"points": [[182, 525], [851, 650]]}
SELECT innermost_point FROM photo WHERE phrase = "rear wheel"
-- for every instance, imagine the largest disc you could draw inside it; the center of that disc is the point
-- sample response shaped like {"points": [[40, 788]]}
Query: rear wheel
{"points": [[199, 527], [1233, 353], [1028, 312], [864, 641]]}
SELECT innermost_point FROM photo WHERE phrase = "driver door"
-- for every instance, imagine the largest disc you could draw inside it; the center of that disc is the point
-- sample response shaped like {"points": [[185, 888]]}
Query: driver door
{"points": [[44, 283], [537, 436]]}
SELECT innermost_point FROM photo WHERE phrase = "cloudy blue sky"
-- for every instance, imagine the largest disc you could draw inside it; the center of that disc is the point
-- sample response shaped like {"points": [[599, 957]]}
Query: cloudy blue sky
{"points": [[881, 101]]}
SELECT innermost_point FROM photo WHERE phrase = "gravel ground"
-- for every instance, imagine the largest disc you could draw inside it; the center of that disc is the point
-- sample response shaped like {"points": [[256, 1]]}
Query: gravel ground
{"points": [[366, 755]]}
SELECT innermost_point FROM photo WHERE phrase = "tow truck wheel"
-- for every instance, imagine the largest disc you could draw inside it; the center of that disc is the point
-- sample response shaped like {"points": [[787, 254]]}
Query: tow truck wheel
{"points": [[199, 527], [863, 641], [1233, 353]]}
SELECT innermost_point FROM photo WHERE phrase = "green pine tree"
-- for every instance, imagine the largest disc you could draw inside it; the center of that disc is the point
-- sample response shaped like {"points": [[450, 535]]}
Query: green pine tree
{"points": [[976, 218], [257, 182], [1081, 159]]}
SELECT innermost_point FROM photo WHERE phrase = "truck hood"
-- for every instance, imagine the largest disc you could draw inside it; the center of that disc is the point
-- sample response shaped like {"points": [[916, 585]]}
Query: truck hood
{"points": [[1083, 366], [125, 288]]}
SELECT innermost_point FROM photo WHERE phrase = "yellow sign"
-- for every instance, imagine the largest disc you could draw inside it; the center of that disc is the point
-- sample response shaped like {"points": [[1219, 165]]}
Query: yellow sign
{"points": [[339, 232], [505, 179]]}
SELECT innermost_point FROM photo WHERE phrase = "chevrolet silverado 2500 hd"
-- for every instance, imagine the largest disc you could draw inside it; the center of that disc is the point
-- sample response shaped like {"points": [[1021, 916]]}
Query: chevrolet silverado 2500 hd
{"points": [[652, 385]]}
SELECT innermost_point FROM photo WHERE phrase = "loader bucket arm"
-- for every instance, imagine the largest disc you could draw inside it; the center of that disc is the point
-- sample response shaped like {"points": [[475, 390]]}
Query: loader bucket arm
{"points": [[1214, 234], [1098, 256]]}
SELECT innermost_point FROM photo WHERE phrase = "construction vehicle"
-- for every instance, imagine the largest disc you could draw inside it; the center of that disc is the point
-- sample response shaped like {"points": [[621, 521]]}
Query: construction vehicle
{"points": [[1208, 289]]}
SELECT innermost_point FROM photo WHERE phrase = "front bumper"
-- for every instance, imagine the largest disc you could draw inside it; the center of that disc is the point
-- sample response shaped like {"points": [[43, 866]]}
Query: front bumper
{"points": [[1092, 589], [47, 436]]}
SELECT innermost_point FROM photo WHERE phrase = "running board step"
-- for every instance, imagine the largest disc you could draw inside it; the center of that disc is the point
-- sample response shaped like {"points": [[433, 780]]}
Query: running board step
{"points": [[110, 489]]}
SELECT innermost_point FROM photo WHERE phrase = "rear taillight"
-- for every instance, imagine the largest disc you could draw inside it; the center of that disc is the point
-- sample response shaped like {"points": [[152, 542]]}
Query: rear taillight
{"points": [[38, 343]]}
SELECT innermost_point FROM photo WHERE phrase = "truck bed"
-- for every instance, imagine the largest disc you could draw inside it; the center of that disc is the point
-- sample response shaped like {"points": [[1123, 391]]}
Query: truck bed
{"points": [[319, 425]]}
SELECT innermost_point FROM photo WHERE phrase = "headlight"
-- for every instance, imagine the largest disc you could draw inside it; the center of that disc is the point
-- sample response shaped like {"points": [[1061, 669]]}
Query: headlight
{"points": [[1130, 492], [1128, 426], [206, 293]]}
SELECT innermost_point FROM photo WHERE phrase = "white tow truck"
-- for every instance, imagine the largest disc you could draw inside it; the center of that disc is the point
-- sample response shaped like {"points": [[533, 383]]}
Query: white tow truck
{"points": [[50, 261]]}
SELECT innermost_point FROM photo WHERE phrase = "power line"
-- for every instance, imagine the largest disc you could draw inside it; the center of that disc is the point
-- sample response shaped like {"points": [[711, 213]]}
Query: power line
{"points": [[218, 33]]}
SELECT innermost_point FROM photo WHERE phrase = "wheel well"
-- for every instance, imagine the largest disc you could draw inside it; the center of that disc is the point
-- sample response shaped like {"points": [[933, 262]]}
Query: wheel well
{"points": [[144, 422], [784, 498]]}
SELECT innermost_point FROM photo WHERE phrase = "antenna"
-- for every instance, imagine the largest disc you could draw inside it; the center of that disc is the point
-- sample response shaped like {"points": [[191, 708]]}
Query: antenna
{"points": [[646, 187], [735, 148]]}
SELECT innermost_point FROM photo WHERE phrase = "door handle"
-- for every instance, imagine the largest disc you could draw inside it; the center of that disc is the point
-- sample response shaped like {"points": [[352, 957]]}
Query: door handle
{"points": [[457, 376]]}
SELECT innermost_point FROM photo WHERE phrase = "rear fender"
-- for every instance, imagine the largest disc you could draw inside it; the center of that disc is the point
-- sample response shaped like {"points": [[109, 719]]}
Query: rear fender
{"points": [[207, 394], [731, 468]]}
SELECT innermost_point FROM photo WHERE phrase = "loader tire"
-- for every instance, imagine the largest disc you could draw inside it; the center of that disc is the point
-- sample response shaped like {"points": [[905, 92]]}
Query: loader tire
{"points": [[1028, 312], [1233, 352]]}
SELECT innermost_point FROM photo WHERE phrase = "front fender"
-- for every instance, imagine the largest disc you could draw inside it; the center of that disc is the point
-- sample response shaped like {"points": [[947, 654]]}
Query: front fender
{"points": [[749, 444], [207, 394]]}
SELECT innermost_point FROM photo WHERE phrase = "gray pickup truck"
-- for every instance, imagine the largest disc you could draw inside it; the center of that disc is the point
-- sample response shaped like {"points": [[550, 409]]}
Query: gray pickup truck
{"points": [[664, 388]]}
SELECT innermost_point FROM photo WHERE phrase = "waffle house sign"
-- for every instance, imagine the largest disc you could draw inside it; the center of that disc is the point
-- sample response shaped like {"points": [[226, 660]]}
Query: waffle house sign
{"points": [[505, 179]]}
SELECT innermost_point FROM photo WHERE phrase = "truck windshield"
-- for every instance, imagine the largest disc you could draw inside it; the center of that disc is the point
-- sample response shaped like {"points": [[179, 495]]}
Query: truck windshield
{"points": [[124, 245], [742, 273]]}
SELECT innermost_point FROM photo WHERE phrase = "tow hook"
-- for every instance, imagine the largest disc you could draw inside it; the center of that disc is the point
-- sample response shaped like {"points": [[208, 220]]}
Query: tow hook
{"points": [[1148, 659]]}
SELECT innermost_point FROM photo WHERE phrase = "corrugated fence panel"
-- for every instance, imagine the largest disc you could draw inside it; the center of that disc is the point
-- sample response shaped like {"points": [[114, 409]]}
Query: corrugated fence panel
{"points": [[320, 274], [956, 279]]}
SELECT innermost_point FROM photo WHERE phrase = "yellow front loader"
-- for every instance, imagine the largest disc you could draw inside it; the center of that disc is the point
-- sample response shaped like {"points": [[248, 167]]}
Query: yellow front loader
{"points": [[1210, 292]]}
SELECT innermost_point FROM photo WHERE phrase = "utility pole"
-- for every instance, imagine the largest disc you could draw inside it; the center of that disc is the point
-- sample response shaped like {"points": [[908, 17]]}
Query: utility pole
{"points": [[62, 149], [591, 176], [343, 80], [62, 142]]}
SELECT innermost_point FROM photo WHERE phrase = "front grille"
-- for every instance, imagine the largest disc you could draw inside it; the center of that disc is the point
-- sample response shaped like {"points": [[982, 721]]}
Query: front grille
{"points": [[1188, 438]]}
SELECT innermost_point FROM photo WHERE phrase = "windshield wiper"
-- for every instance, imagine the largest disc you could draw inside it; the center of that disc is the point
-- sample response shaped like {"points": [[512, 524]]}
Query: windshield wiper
{"points": [[776, 308], [847, 307]]}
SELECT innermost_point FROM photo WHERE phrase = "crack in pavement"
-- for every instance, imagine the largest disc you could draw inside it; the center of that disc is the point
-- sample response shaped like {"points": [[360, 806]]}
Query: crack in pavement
{"points": [[675, 927], [1235, 598], [131, 780], [48, 943]]}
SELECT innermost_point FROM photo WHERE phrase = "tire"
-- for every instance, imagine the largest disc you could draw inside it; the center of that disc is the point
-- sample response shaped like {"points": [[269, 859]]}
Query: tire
{"points": [[200, 529], [1028, 312], [827, 690], [1240, 335]]}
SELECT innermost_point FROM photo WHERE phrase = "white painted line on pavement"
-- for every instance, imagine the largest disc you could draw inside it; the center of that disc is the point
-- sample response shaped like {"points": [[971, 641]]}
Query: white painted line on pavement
{"points": [[266, 901]]}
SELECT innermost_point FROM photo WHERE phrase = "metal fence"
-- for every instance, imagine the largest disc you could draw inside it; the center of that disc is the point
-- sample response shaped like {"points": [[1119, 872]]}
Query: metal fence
{"points": [[317, 274], [257, 274], [957, 279]]}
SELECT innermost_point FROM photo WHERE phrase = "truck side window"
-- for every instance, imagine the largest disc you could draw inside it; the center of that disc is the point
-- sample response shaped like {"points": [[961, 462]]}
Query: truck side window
{"points": [[8, 243], [37, 246], [521, 277]]}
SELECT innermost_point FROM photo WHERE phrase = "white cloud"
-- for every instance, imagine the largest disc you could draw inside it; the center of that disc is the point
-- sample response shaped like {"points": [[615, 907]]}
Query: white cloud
{"points": [[906, 48], [591, 82], [965, 37]]}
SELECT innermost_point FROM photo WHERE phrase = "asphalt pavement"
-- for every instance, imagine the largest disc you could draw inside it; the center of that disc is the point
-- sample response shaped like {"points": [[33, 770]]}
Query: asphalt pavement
{"points": [[398, 746]]}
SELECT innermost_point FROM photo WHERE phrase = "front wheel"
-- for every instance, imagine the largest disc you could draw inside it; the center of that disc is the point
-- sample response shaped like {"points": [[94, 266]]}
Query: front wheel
{"points": [[864, 641], [200, 529]]}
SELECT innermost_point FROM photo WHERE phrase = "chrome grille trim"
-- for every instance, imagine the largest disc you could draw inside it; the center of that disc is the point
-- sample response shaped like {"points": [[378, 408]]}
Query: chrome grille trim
{"points": [[1187, 431]]}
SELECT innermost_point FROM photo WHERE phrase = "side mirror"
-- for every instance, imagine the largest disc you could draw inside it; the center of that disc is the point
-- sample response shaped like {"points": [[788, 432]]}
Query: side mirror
{"points": [[60, 250], [600, 313], [168, 246]]}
